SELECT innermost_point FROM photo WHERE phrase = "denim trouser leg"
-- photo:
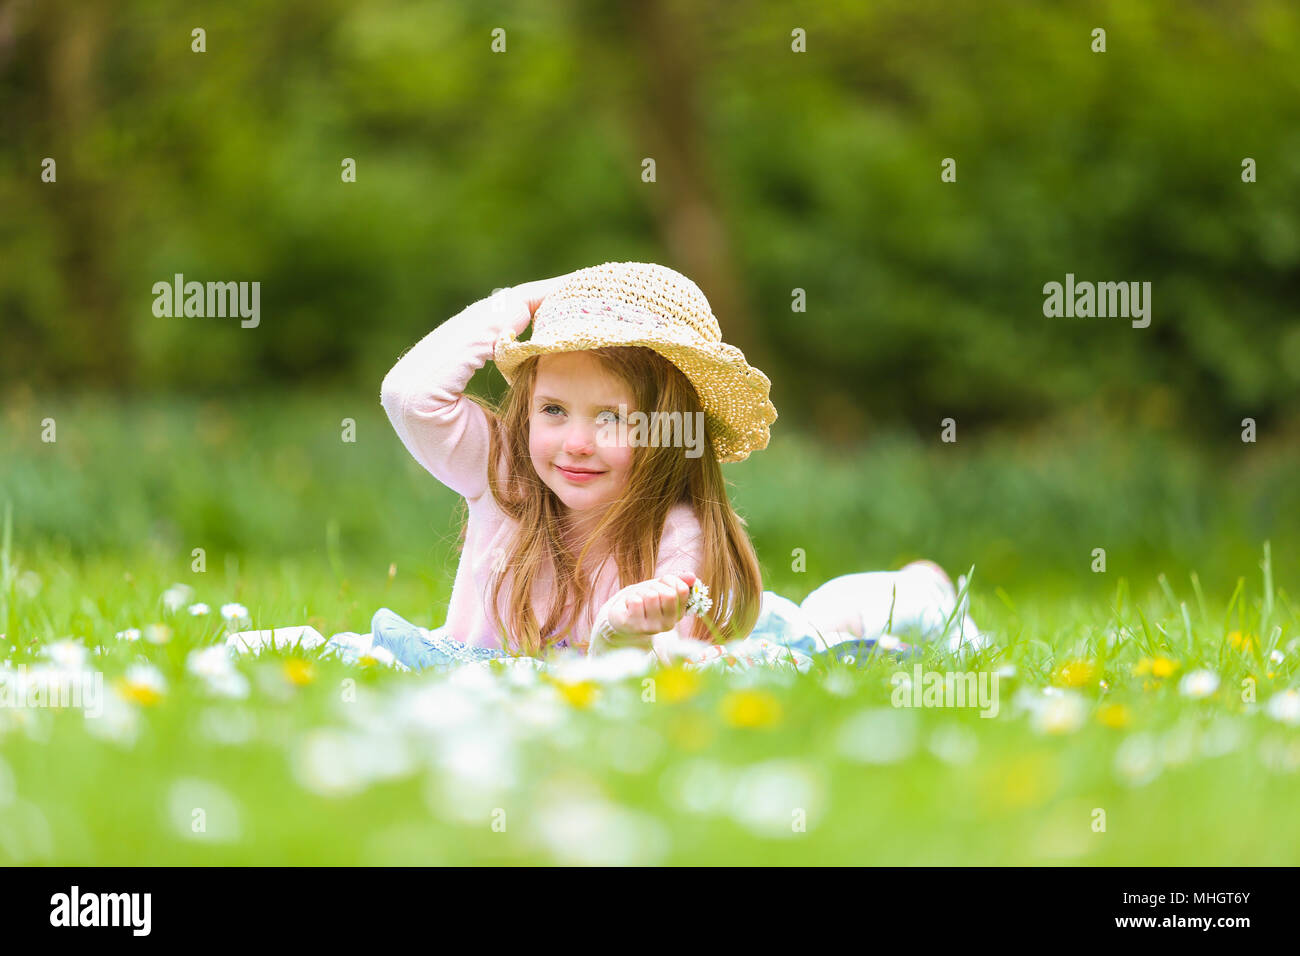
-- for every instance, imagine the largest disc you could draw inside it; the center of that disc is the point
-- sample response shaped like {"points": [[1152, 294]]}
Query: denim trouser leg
{"points": [[418, 649]]}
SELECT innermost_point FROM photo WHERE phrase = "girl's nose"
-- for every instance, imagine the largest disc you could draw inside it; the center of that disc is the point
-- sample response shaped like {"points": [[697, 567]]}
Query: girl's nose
{"points": [[580, 441]]}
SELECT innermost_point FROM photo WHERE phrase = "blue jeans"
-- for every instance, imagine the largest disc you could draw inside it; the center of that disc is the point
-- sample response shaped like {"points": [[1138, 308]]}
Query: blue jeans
{"points": [[417, 648], [780, 620]]}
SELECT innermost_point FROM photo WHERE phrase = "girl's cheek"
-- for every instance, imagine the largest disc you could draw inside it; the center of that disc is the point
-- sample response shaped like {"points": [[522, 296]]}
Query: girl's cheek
{"points": [[624, 467], [538, 432]]}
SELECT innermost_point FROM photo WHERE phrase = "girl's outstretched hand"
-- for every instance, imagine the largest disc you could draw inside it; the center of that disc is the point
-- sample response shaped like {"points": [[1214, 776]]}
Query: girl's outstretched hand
{"points": [[643, 610]]}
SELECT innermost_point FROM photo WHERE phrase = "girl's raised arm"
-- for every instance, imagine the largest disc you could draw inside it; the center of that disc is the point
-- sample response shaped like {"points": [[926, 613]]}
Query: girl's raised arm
{"points": [[423, 393]]}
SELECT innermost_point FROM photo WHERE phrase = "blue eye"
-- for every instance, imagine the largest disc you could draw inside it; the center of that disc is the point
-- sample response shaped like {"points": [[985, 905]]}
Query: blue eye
{"points": [[546, 407], [614, 414]]}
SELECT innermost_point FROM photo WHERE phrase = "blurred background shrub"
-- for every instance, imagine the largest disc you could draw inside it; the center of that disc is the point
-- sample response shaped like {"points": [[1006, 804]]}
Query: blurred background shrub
{"points": [[775, 171]]}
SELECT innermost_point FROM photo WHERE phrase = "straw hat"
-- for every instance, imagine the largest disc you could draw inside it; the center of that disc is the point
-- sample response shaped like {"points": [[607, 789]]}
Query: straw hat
{"points": [[641, 303]]}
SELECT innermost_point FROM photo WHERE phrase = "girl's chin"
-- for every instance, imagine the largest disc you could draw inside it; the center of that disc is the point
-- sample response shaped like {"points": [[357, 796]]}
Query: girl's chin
{"points": [[580, 505], [580, 502]]}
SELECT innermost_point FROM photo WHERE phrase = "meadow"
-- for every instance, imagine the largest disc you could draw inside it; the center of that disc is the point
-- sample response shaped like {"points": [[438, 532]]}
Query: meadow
{"points": [[1148, 712]]}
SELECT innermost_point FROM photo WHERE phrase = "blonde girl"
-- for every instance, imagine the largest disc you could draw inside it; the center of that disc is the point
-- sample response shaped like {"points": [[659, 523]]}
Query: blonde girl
{"points": [[577, 534]]}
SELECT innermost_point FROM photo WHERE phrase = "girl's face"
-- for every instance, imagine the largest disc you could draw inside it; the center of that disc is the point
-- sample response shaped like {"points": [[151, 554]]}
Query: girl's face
{"points": [[573, 424]]}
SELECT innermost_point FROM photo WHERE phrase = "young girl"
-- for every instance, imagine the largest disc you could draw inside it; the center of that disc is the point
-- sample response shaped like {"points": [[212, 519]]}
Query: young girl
{"points": [[586, 534], [576, 537]]}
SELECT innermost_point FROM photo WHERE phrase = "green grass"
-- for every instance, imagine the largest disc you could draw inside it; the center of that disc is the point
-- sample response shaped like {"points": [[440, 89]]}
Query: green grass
{"points": [[312, 772]]}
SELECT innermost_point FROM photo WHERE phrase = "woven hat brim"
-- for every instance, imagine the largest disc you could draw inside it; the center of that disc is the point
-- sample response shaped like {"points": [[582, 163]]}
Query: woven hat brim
{"points": [[734, 394]]}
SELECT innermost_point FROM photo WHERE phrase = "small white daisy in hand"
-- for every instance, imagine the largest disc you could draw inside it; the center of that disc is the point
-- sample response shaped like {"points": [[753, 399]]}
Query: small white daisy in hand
{"points": [[234, 612], [199, 609], [699, 601]]}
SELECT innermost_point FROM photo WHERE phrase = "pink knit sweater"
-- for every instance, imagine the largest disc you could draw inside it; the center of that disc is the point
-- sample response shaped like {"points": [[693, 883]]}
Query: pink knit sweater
{"points": [[447, 433]]}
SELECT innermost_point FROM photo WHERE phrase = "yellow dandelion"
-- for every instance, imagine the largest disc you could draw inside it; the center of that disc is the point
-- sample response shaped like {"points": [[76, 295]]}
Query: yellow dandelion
{"points": [[299, 672], [1158, 666], [1114, 715], [676, 683], [139, 693], [142, 684], [1075, 673], [580, 694], [751, 708], [1163, 666], [1246, 643]]}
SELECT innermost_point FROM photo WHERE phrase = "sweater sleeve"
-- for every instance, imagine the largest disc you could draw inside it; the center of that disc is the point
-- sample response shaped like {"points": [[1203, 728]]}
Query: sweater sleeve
{"points": [[681, 549], [423, 393]]}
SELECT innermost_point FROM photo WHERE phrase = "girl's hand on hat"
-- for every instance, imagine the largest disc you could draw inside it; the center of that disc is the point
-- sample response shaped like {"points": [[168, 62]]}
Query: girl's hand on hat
{"points": [[643, 610], [519, 303], [534, 292]]}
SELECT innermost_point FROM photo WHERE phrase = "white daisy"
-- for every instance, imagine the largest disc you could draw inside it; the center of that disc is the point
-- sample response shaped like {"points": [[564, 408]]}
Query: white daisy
{"points": [[699, 601], [199, 609], [176, 597], [1198, 684], [157, 633], [699, 786], [572, 667], [1137, 761], [234, 612], [214, 666], [1061, 713], [595, 832], [143, 684], [1285, 707], [779, 798], [66, 654], [130, 634]]}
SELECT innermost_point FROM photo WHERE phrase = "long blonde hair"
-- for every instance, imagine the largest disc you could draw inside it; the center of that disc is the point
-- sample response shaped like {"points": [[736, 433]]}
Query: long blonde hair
{"points": [[658, 479]]}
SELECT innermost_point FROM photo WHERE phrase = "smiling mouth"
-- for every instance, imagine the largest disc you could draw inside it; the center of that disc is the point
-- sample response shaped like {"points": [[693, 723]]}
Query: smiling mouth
{"points": [[576, 473]]}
